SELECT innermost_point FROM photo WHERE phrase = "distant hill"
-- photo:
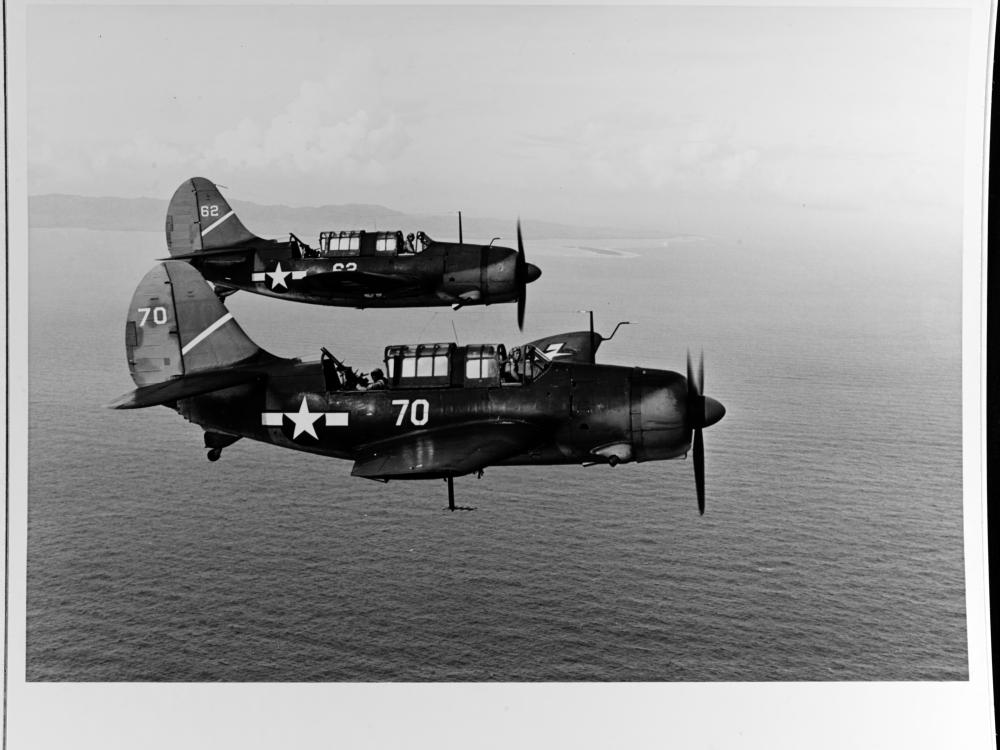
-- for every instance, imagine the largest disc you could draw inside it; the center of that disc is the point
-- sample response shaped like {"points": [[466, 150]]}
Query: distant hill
{"points": [[148, 215]]}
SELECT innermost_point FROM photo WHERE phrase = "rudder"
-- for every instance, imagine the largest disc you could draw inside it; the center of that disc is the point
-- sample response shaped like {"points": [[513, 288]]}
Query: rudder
{"points": [[199, 218], [176, 326]]}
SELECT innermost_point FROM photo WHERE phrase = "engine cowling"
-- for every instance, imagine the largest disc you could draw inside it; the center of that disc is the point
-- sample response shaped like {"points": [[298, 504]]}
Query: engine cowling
{"points": [[657, 411]]}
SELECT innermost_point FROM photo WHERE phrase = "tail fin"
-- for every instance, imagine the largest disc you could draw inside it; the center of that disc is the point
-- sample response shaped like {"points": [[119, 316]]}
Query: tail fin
{"points": [[199, 218], [179, 333]]}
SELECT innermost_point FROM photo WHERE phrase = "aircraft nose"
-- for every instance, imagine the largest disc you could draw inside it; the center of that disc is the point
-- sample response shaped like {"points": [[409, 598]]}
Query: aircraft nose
{"points": [[532, 272], [714, 411]]}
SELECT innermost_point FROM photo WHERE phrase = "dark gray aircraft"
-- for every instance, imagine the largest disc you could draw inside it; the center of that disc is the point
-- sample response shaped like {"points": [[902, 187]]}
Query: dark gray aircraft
{"points": [[436, 411], [350, 268]]}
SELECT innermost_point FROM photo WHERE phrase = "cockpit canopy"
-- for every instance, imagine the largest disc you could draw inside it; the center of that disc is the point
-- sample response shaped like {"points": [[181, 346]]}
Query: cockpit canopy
{"points": [[449, 365], [483, 363], [423, 364], [355, 243]]}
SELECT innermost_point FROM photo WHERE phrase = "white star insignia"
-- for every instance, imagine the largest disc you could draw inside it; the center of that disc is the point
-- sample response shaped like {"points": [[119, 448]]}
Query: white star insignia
{"points": [[278, 276], [303, 419]]}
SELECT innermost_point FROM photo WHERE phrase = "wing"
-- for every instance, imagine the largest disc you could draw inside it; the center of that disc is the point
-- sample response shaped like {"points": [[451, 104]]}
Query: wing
{"points": [[446, 451], [358, 281]]}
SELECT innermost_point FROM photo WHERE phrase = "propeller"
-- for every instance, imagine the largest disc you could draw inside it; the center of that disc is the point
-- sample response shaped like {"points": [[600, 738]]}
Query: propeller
{"points": [[701, 412], [520, 278]]}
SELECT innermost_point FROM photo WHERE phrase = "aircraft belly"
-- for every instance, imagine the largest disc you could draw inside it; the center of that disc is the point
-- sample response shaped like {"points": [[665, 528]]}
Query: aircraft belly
{"points": [[543, 455]]}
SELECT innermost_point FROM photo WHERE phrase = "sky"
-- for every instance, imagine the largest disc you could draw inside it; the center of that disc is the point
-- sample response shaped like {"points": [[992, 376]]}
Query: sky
{"points": [[693, 120]]}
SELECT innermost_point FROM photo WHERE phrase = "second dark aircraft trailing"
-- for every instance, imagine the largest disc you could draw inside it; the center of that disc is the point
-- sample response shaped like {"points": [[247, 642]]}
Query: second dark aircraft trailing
{"points": [[349, 268]]}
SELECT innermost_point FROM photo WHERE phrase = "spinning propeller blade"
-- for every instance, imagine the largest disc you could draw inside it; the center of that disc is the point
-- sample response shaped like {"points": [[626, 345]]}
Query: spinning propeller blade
{"points": [[699, 470], [520, 278], [701, 412]]}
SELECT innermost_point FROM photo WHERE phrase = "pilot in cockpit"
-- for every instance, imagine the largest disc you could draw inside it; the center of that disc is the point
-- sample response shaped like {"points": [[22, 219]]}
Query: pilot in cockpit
{"points": [[378, 380], [512, 371]]}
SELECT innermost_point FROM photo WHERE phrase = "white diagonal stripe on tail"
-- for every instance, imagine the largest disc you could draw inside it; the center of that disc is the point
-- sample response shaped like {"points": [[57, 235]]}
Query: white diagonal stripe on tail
{"points": [[206, 333], [214, 224]]}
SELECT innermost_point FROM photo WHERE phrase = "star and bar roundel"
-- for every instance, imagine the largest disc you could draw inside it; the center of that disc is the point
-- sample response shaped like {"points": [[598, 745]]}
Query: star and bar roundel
{"points": [[277, 278], [304, 424]]}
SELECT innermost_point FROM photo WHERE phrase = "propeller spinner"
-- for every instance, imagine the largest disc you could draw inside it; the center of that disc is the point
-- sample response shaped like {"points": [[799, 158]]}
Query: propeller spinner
{"points": [[702, 412]]}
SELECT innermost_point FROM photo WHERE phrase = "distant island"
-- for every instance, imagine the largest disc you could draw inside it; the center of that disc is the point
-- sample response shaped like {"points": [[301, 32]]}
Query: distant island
{"points": [[58, 211]]}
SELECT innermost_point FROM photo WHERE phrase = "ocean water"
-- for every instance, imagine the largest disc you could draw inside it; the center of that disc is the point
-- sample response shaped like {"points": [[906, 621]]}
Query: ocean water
{"points": [[831, 548]]}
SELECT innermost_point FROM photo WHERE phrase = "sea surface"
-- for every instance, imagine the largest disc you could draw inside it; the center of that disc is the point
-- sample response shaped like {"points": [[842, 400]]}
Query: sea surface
{"points": [[831, 548]]}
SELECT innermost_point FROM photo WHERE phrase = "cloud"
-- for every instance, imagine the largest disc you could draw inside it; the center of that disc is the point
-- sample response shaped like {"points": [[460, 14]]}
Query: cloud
{"points": [[328, 129], [144, 151], [699, 161], [657, 158], [845, 178], [322, 130], [130, 167]]}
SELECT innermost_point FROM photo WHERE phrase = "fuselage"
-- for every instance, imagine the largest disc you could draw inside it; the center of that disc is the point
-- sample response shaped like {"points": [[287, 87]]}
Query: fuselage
{"points": [[442, 273], [579, 412]]}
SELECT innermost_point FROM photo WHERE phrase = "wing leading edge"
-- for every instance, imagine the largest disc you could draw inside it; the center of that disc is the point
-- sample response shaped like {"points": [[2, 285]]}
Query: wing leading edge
{"points": [[446, 451], [358, 282]]}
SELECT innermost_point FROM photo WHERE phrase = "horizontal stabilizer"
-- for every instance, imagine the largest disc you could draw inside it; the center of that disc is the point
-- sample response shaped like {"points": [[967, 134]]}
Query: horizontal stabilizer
{"points": [[446, 451], [183, 387], [238, 253]]}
